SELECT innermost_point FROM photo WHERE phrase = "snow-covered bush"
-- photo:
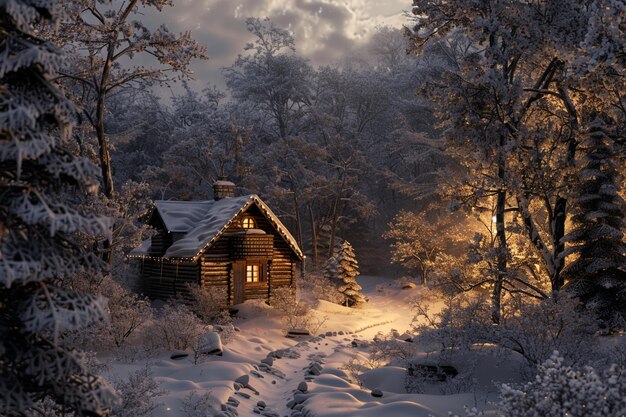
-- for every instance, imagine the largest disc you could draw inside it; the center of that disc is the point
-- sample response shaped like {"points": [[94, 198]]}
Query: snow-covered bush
{"points": [[533, 329], [463, 322], [536, 329], [224, 325], [127, 311], [391, 350], [321, 287], [138, 393], [208, 303], [562, 390], [177, 328], [198, 405], [297, 315], [355, 368]]}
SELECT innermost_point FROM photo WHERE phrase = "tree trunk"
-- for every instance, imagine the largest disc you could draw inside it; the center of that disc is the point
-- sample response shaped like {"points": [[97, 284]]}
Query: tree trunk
{"points": [[333, 226], [298, 220], [558, 231], [560, 207], [313, 235], [502, 252], [424, 273], [103, 143]]}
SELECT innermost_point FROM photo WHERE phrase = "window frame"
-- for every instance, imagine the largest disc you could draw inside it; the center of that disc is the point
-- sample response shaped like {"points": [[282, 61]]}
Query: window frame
{"points": [[251, 223], [261, 273]]}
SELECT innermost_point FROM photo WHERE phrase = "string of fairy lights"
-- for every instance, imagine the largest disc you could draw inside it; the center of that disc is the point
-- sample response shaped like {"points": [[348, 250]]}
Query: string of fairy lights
{"points": [[253, 199]]}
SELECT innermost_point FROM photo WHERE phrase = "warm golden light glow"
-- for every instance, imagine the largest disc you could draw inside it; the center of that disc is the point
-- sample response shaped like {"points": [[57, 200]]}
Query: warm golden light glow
{"points": [[248, 223], [252, 273]]}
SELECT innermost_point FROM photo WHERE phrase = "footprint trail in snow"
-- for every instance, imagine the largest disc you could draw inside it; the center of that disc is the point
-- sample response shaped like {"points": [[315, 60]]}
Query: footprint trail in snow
{"points": [[278, 384]]}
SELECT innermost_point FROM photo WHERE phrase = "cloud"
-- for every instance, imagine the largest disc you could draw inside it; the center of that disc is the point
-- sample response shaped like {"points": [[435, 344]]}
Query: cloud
{"points": [[325, 30]]}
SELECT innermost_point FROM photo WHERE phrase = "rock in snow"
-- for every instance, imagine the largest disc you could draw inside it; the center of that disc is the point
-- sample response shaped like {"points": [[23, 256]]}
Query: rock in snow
{"points": [[179, 355], [210, 344], [243, 380], [298, 332], [377, 393], [302, 386]]}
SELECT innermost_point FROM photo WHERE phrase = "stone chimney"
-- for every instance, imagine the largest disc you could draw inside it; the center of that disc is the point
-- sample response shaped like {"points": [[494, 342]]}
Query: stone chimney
{"points": [[223, 189]]}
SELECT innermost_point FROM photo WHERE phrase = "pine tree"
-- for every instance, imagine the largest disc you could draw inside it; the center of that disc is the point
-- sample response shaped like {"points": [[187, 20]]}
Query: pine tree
{"points": [[598, 275], [39, 233], [346, 272], [330, 268]]}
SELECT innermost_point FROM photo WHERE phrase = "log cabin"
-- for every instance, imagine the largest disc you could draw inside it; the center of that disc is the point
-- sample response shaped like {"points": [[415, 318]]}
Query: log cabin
{"points": [[234, 243]]}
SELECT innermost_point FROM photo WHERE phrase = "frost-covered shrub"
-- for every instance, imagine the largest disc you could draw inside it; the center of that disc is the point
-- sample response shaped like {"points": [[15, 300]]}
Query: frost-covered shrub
{"points": [[562, 390], [198, 405], [463, 322], [177, 328], [127, 311], [355, 368], [391, 350], [138, 393], [224, 325], [536, 329], [321, 288], [208, 303], [297, 315], [533, 329]]}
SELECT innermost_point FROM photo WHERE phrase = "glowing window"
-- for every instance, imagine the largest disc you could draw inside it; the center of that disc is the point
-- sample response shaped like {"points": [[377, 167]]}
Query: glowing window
{"points": [[248, 223], [252, 273]]}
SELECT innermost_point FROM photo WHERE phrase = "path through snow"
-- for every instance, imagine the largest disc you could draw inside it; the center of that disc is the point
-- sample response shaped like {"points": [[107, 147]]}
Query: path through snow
{"points": [[273, 382]]}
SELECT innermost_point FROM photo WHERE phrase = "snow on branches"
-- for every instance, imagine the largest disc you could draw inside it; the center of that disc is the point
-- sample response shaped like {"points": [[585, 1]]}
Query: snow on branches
{"points": [[344, 268], [40, 236]]}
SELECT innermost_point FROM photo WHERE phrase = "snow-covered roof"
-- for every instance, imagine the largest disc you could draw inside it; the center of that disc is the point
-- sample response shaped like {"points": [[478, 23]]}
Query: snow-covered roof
{"points": [[203, 222], [224, 182], [182, 216]]}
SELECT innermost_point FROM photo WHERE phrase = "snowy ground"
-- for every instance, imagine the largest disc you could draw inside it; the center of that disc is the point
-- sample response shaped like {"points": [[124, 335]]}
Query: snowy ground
{"points": [[275, 382]]}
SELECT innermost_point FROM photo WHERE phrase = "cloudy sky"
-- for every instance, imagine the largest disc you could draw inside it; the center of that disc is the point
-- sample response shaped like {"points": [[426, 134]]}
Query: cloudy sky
{"points": [[325, 30]]}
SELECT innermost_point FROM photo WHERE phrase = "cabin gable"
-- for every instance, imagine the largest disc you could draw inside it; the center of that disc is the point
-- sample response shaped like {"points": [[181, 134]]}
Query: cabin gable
{"points": [[236, 249]]}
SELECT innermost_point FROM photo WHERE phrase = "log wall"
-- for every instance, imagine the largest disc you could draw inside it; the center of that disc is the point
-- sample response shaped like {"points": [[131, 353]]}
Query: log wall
{"points": [[165, 280], [160, 242], [215, 268]]}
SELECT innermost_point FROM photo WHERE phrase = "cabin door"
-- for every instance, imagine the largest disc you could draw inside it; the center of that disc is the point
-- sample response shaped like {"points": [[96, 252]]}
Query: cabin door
{"points": [[239, 278]]}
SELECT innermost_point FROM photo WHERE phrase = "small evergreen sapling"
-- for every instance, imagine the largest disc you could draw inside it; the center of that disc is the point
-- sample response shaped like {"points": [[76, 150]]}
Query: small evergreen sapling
{"points": [[330, 269], [39, 233], [598, 275], [345, 268]]}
